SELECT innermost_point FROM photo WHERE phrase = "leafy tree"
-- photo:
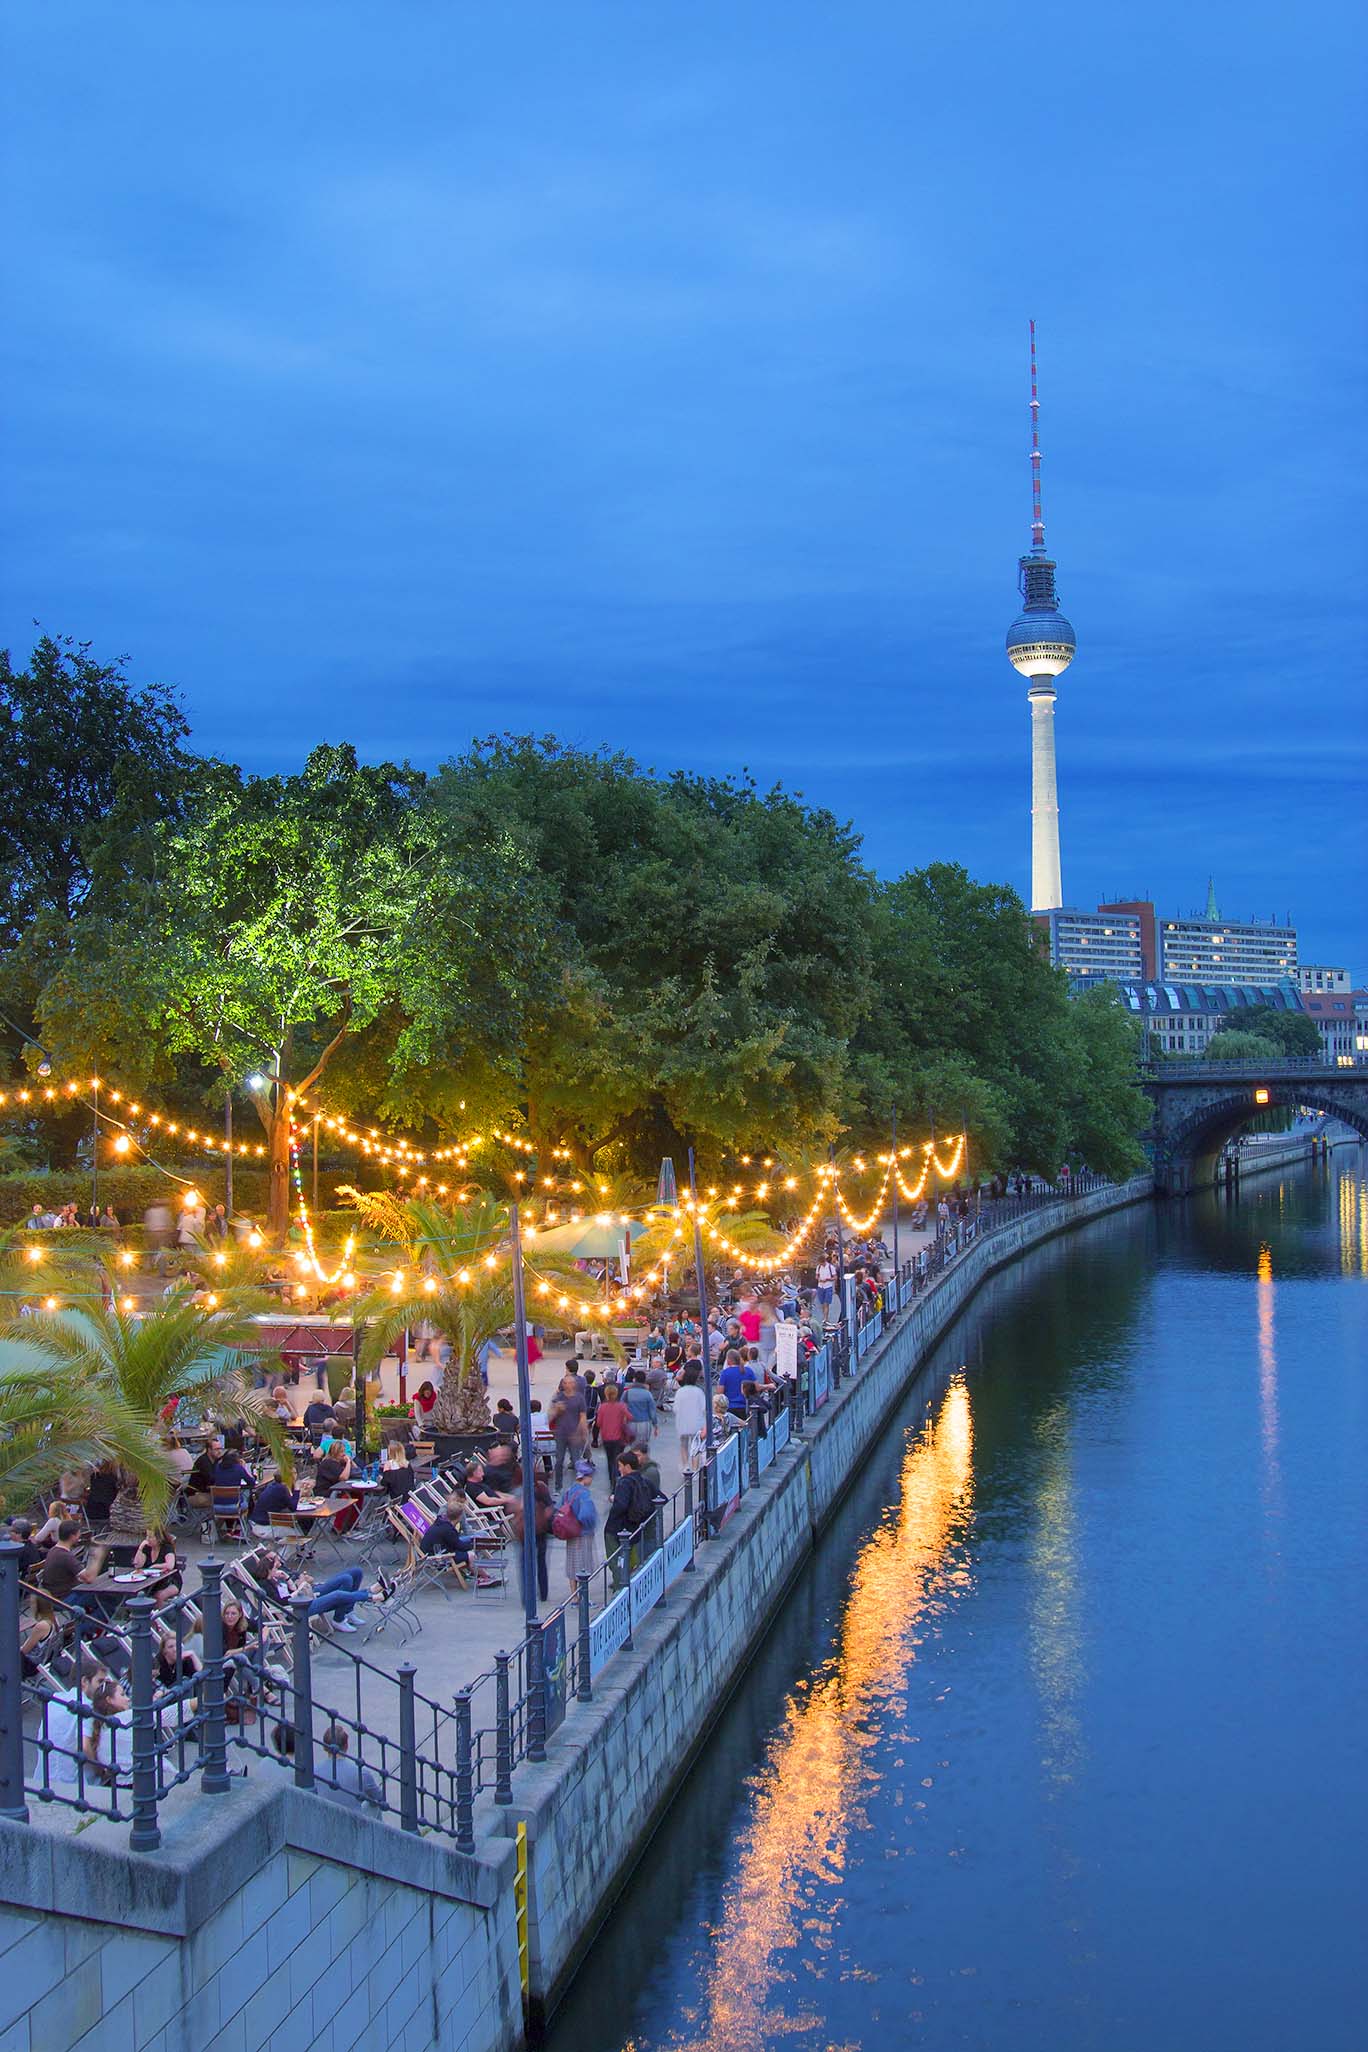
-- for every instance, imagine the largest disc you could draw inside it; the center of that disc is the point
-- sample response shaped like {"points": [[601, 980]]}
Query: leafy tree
{"points": [[52, 1417], [704, 952], [1235, 1045], [283, 918], [86, 757], [1106, 1110], [1294, 1034]]}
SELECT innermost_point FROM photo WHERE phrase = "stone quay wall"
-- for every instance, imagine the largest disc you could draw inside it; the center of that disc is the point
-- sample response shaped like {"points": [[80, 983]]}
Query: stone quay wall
{"points": [[271, 1921], [615, 1764]]}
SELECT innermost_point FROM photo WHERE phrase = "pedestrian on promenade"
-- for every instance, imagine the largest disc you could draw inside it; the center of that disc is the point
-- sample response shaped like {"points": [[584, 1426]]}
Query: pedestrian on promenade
{"points": [[568, 1419], [581, 1547], [691, 1416], [641, 1406], [615, 1427]]}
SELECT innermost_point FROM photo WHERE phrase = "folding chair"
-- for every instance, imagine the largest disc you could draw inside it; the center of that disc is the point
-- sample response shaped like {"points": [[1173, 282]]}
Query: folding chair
{"points": [[228, 1513]]}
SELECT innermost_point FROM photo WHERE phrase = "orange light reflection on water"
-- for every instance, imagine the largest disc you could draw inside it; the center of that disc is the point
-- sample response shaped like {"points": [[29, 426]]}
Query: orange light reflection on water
{"points": [[810, 1793]]}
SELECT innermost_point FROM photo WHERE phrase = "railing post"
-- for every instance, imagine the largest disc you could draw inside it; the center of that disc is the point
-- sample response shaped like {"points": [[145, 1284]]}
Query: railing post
{"points": [[503, 1733], [214, 1778], [408, 1750], [12, 1804], [584, 1687], [753, 1447], [146, 1833], [303, 1694], [536, 1692], [465, 1775], [692, 1516]]}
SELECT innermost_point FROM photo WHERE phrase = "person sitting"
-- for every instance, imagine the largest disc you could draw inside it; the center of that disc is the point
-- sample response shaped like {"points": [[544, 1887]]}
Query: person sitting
{"points": [[274, 1499], [397, 1477], [200, 1480], [157, 1552], [505, 1419], [281, 1406], [318, 1414], [335, 1598], [20, 1530], [231, 1472], [344, 1780], [501, 1473], [81, 1729], [334, 1468], [446, 1533], [62, 1574]]}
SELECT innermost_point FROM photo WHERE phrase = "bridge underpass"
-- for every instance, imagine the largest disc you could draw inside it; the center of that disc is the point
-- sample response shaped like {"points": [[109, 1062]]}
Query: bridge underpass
{"points": [[1200, 1108]]}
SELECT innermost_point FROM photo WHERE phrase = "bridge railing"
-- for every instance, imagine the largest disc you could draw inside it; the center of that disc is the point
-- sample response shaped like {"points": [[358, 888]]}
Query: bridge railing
{"points": [[1195, 1068]]}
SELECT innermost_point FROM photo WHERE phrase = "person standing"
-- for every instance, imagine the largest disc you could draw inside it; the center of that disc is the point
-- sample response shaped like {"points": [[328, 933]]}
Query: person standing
{"points": [[581, 1548], [567, 1418], [615, 1427], [642, 1407], [691, 1417]]}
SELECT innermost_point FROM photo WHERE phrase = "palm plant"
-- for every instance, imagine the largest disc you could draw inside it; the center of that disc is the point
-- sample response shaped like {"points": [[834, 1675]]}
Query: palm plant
{"points": [[137, 1365], [52, 1418], [456, 1275]]}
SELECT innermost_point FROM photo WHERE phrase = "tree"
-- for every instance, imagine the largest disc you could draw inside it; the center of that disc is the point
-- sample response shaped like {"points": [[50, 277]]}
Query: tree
{"points": [[283, 918], [53, 1417], [87, 757], [1294, 1034], [1106, 1109], [704, 953], [1235, 1045], [132, 1365]]}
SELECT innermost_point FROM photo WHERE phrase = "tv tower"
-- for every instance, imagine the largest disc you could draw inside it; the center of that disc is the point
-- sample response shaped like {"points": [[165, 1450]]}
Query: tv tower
{"points": [[1040, 645]]}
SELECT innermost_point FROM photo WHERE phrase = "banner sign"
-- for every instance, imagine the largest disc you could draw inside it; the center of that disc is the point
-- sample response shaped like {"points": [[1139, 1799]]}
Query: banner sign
{"points": [[820, 1370], [781, 1428], [765, 1449], [557, 1673], [724, 1479], [786, 1349], [647, 1586], [609, 1630], [678, 1550]]}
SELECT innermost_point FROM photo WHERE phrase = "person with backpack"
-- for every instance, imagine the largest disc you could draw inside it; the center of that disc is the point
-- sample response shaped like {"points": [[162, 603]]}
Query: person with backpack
{"points": [[641, 1406], [633, 1503], [544, 1512], [576, 1522]]}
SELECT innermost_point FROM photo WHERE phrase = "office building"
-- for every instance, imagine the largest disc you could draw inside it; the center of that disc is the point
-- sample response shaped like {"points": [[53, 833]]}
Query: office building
{"points": [[1180, 1018], [1216, 950], [1333, 1012], [1314, 976], [1095, 947]]}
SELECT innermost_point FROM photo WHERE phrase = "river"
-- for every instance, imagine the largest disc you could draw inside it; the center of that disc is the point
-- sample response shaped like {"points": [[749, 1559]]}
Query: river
{"points": [[1060, 1741]]}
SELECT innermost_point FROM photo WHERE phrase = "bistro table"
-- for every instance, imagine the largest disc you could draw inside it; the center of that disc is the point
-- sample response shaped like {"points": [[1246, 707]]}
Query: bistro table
{"points": [[111, 1590]]}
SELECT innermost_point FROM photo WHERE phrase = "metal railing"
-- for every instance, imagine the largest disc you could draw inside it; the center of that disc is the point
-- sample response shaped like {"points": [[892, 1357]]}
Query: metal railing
{"points": [[368, 1736]]}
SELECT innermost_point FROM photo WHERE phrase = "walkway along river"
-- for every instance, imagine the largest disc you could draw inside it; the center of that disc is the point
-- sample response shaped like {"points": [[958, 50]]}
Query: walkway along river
{"points": [[1059, 1740]]}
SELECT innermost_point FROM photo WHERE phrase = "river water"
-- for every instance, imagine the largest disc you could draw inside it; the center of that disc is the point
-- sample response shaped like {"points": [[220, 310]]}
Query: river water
{"points": [[1060, 1741]]}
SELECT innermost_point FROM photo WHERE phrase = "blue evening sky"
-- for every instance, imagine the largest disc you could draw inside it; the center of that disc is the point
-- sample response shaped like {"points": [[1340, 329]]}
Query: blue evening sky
{"points": [[656, 373]]}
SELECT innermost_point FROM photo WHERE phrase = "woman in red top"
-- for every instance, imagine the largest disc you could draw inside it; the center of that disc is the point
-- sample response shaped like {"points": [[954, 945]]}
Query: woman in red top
{"points": [[423, 1403], [614, 1422]]}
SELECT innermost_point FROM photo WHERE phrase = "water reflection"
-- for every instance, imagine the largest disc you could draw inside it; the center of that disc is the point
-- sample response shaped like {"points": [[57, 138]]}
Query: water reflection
{"points": [[820, 1769], [1056, 1635], [1353, 1219], [1268, 1381]]}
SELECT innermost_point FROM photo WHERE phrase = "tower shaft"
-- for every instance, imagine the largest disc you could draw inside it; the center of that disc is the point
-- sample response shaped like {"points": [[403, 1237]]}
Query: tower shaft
{"points": [[1047, 892]]}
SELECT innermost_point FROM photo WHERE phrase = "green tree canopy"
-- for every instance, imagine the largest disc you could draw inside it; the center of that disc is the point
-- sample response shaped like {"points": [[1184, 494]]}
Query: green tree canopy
{"points": [[1292, 1033]]}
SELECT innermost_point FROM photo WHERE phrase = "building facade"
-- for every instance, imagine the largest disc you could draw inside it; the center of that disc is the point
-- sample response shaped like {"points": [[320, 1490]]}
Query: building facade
{"points": [[1095, 947], [1180, 1018], [1333, 1012], [1316, 977], [1238, 951]]}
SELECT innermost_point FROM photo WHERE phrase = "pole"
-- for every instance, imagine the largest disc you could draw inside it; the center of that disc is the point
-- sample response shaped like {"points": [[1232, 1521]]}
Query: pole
{"points": [[317, 1116], [12, 1804], [529, 1496], [896, 1213], [228, 1151], [702, 1310], [840, 1233], [95, 1151], [359, 1385]]}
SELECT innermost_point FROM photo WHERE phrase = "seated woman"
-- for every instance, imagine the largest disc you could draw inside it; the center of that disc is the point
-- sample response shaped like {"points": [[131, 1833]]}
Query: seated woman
{"points": [[446, 1534], [335, 1599], [396, 1477], [40, 1636], [423, 1401], [158, 1551], [274, 1499], [334, 1468]]}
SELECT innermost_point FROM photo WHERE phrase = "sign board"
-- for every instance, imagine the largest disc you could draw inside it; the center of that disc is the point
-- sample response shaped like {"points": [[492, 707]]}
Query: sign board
{"points": [[647, 1586], [556, 1669], [724, 1479], [765, 1449], [780, 1430], [678, 1550], [786, 1349], [819, 1369], [609, 1630]]}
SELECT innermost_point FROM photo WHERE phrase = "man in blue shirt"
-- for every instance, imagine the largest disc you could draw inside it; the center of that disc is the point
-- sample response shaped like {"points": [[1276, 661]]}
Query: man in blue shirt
{"points": [[730, 1381]]}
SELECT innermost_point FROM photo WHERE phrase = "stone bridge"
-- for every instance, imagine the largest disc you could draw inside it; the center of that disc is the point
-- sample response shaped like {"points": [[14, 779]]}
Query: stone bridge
{"points": [[1199, 1106]]}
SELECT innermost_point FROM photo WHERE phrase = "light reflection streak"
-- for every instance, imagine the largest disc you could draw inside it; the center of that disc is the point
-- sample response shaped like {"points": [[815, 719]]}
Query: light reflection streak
{"points": [[1268, 1382], [810, 1792], [1056, 1637], [1353, 1221]]}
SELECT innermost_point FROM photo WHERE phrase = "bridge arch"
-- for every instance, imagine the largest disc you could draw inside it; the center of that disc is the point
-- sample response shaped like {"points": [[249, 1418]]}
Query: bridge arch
{"points": [[1195, 1118]]}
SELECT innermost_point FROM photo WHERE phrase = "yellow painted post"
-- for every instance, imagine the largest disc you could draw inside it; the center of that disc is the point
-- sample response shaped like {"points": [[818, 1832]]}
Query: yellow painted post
{"points": [[520, 1905]]}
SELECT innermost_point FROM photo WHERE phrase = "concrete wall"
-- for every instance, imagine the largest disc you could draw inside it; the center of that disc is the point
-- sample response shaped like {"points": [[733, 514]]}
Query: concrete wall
{"points": [[270, 1922], [619, 1760]]}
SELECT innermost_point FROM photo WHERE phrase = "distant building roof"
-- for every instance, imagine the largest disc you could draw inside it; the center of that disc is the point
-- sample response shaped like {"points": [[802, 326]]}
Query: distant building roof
{"points": [[1327, 1004], [1163, 1000]]}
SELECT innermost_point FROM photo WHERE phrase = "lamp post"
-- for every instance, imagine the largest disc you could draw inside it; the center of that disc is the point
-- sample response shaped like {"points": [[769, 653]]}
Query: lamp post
{"points": [[95, 1148], [895, 1201], [255, 1082], [228, 1149], [702, 1311], [840, 1232], [529, 1494]]}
